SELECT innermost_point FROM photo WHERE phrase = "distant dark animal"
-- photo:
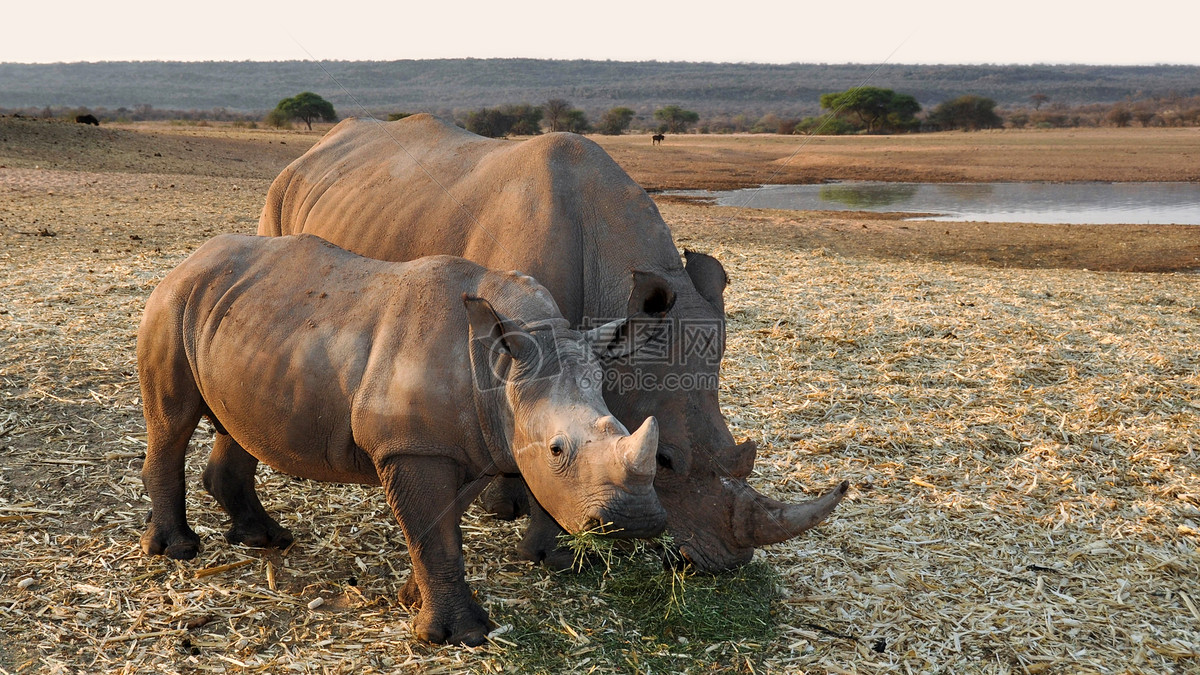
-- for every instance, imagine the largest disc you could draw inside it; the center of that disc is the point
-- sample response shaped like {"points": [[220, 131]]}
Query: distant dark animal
{"points": [[87, 119], [657, 138]]}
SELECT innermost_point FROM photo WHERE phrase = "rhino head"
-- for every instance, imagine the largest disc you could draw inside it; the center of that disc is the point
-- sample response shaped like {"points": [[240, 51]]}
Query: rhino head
{"points": [[542, 386], [715, 516]]}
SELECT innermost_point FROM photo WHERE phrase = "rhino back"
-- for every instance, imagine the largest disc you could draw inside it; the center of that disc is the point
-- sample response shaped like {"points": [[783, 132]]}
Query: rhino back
{"points": [[306, 353], [556, 207]]}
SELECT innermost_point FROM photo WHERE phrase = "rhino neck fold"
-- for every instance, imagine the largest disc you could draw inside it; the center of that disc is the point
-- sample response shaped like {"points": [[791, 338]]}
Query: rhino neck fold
{"points": [[494, 415]]}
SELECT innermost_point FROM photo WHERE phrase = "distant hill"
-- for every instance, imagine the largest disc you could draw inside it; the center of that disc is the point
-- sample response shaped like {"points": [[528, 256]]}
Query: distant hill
{"points": [[447, 85]]}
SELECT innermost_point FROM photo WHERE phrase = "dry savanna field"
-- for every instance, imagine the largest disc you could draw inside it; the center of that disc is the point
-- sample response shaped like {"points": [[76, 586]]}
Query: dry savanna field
{"points": [[1016, 407]]}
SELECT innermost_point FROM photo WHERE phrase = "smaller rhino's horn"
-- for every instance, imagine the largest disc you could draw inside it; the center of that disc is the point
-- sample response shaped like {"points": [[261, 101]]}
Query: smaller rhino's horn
{"points": [[640, 449]]}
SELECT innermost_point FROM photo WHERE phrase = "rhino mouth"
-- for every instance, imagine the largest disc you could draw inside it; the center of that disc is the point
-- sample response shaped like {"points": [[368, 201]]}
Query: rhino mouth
{"points": [[631, 518], [710, 556]]}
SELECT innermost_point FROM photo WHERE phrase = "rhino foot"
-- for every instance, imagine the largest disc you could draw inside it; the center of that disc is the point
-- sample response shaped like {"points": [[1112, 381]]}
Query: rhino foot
{"points": [[179, 543], [467, 624], [260, 535]]}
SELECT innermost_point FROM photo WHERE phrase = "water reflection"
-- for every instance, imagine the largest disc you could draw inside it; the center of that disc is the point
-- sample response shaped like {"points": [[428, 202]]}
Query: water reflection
{"points": [[867, 195], [1099, 203]]}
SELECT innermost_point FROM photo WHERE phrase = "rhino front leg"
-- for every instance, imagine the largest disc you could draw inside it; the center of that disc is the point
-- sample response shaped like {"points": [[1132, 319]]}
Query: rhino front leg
{"points": [[424, 493], [229, 478], [541, 541], [507, 498]]}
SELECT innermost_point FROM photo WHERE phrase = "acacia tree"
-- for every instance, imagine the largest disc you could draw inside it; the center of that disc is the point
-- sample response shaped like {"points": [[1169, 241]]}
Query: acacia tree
{"points": [[556, 111], [615, 121], [675, 119], [306, 107], [875, 109]]}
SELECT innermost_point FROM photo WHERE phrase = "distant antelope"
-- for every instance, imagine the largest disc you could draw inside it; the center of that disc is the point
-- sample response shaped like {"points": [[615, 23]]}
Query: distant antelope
{"points": [[657, 138]]}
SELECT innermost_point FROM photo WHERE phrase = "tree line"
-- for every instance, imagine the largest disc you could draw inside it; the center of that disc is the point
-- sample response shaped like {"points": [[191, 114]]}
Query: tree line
{"points": [[855, 110], [556, 114], [443, 86]]}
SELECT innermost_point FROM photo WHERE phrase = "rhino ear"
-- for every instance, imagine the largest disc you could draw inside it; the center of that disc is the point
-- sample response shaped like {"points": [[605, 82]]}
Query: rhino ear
{"points": [[495, 331], [708, 276], [651, 295]]}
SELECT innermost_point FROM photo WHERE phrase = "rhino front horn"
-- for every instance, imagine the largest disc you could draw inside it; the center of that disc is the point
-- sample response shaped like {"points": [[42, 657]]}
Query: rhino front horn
{"points": [[641, 448], [761, 520]]}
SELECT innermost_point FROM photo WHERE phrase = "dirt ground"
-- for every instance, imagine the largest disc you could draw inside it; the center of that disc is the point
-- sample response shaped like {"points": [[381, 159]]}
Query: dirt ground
{"points": [[727, 162], [1020, 428]]}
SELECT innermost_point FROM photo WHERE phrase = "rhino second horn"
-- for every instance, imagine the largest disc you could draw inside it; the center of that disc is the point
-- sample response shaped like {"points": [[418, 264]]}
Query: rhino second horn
{"points": [[739, 460], [641, 448], [760, 520]]}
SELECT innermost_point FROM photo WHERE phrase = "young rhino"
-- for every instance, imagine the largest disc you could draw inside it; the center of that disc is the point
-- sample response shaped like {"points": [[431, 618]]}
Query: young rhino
{"points": [[330, 366]]}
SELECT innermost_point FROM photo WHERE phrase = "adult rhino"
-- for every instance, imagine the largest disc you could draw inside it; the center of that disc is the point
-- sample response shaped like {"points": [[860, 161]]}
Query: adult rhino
{"points": [[559, 208], [428, 378]]}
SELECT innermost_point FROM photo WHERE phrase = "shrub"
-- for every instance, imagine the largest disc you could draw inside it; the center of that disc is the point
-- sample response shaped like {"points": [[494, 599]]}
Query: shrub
{"points": [[521, 119], [1018, 120], [969, 113], [675, 120], [1119, 116], [278, 119], [826, 125], [615, 121]]}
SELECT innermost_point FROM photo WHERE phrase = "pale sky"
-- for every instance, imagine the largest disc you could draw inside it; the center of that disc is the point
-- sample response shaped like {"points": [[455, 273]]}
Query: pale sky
{"points": [[812, 31]]}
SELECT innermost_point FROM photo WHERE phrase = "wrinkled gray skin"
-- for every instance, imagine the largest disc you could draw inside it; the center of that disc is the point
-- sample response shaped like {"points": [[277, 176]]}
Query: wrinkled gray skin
{"points": [[330, 366], [558, 208]]}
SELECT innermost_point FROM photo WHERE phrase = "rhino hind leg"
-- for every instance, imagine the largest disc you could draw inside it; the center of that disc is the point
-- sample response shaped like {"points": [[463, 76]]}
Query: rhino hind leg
{"points": [[171, 416], [229, 478]]}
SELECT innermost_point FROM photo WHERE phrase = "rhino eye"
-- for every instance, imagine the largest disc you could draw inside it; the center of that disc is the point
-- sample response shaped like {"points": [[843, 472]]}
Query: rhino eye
{"points": [[556, 448]]}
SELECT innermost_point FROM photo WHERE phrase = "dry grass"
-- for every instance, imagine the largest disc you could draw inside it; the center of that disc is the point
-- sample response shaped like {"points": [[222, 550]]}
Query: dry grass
{"points": [[1023, 448]]}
